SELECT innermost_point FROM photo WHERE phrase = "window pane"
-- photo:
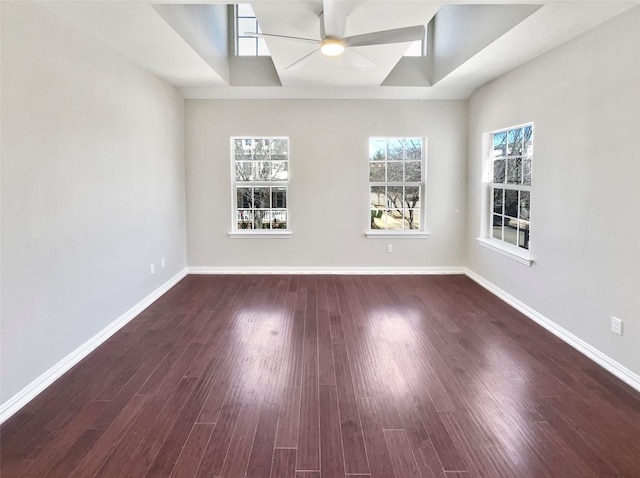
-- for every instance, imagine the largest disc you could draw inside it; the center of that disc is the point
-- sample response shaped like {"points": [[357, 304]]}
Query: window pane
{"points": [[242, 149], [412, 197], [378, 198], [395, 149], [499, 145], [524, 204], [261, 219], [246, 46], [279, 149], [395, 219], [279, 170], [378, 219], [497, 227], [413, 149], [243, 198], [263, 50], [511, 231], [498, 200], [394, 197], [528, 141], [376, 171], [262, 170], [261, 198], [412, 218], [245, 220], [511, 203], [243, 171], [279, 198], [523, 234], [394, 172], [245, 10], [526, 172], [514, 171], [377, 149], [247, 25], [412, 171], [261, 149], [278, 219], [515, 142], [498, 171]]}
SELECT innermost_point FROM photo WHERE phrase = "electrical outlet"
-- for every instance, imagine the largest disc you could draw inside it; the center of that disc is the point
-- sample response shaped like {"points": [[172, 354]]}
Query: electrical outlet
{"points": [[389, 248], [152, 269], [162, 263], [616, 325]]}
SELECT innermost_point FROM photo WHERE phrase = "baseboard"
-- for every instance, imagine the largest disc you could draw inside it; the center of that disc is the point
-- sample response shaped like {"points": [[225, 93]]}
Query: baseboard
{"points": [[327, 270], [623, 373], [28, 393]]}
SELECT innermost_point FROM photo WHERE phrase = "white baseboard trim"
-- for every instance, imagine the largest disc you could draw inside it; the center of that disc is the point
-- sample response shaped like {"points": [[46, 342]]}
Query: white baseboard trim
{"points": [[623, 373], [327, 270], [28, 393]]}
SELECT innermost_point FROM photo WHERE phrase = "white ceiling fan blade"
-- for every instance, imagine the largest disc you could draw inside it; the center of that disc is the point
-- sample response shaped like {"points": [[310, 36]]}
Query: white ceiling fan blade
{"points": [[302, 61], [332, 23], [272, 35], [358, 60], [397, 35]]}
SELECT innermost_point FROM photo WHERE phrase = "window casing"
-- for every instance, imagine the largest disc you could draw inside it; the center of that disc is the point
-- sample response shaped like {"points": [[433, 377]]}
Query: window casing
{"points": [[246, 21], [260, 177], [396, 184], [510, 186]]}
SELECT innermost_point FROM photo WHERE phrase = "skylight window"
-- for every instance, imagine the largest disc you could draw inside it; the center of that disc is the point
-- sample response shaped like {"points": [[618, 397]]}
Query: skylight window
{"points": [[246, 21]]}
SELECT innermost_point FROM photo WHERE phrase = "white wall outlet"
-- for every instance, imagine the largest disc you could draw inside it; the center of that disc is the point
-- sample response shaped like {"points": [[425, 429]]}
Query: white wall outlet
{"points": [[616, 325], [162, 263], [389, 247], [152, 269]]}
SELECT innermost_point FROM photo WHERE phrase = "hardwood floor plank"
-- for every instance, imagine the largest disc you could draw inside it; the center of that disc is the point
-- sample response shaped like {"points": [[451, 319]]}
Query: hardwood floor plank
{"points": [[377, 450], [192, 452], [216, 451], [331, 454], [355, 455], [284, 463], [78, 450], [308, 457], [264, 439], [404, 463], [289, 419], [313, 376]]}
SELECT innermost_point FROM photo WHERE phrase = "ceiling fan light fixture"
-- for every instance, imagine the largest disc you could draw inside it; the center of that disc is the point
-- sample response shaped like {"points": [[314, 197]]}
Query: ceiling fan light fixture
{"points": [[332, 47]]}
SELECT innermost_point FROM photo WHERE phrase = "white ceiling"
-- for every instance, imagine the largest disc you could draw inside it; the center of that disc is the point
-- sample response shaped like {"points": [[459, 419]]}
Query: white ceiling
{"points": [[157, 36]]}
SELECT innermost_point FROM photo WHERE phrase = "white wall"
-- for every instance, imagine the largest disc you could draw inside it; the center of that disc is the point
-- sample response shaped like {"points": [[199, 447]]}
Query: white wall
{"points": [[92, 189], [584, 98], [328, 191]]}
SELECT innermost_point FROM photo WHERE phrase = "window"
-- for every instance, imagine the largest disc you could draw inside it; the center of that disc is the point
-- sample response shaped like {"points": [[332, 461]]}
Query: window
{"points": [[396, 183], [246, 22], [260, 178], [511, 157]]}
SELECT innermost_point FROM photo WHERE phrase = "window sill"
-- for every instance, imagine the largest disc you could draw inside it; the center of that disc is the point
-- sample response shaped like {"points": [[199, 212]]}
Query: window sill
{"points": [[397, 235], [260, 234], [511, 253]]}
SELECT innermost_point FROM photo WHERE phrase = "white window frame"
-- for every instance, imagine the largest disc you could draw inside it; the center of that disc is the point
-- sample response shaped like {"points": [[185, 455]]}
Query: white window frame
{"points": [[399, 233], [486, 239], [235, 184]]}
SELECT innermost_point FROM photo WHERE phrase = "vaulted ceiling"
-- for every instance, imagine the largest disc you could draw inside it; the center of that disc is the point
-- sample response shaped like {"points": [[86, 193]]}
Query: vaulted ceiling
{"points": [[187, 43]]}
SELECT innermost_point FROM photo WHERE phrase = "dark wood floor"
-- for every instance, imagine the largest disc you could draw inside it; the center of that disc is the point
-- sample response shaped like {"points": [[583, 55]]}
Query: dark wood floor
{"points": [[327, 376]]}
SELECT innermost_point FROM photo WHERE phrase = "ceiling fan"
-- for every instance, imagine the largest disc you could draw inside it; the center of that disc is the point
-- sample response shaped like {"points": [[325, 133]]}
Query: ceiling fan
{"points": [[332, 43]]}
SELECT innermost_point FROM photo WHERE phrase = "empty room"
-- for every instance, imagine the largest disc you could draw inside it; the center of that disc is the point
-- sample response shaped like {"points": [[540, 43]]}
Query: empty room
{"points": [[317, 239]]}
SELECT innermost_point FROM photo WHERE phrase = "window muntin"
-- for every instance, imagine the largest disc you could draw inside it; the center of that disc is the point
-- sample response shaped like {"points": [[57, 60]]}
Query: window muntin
{"points": [[511, 159], [396, 184], [246, 21], [260, 183]]}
